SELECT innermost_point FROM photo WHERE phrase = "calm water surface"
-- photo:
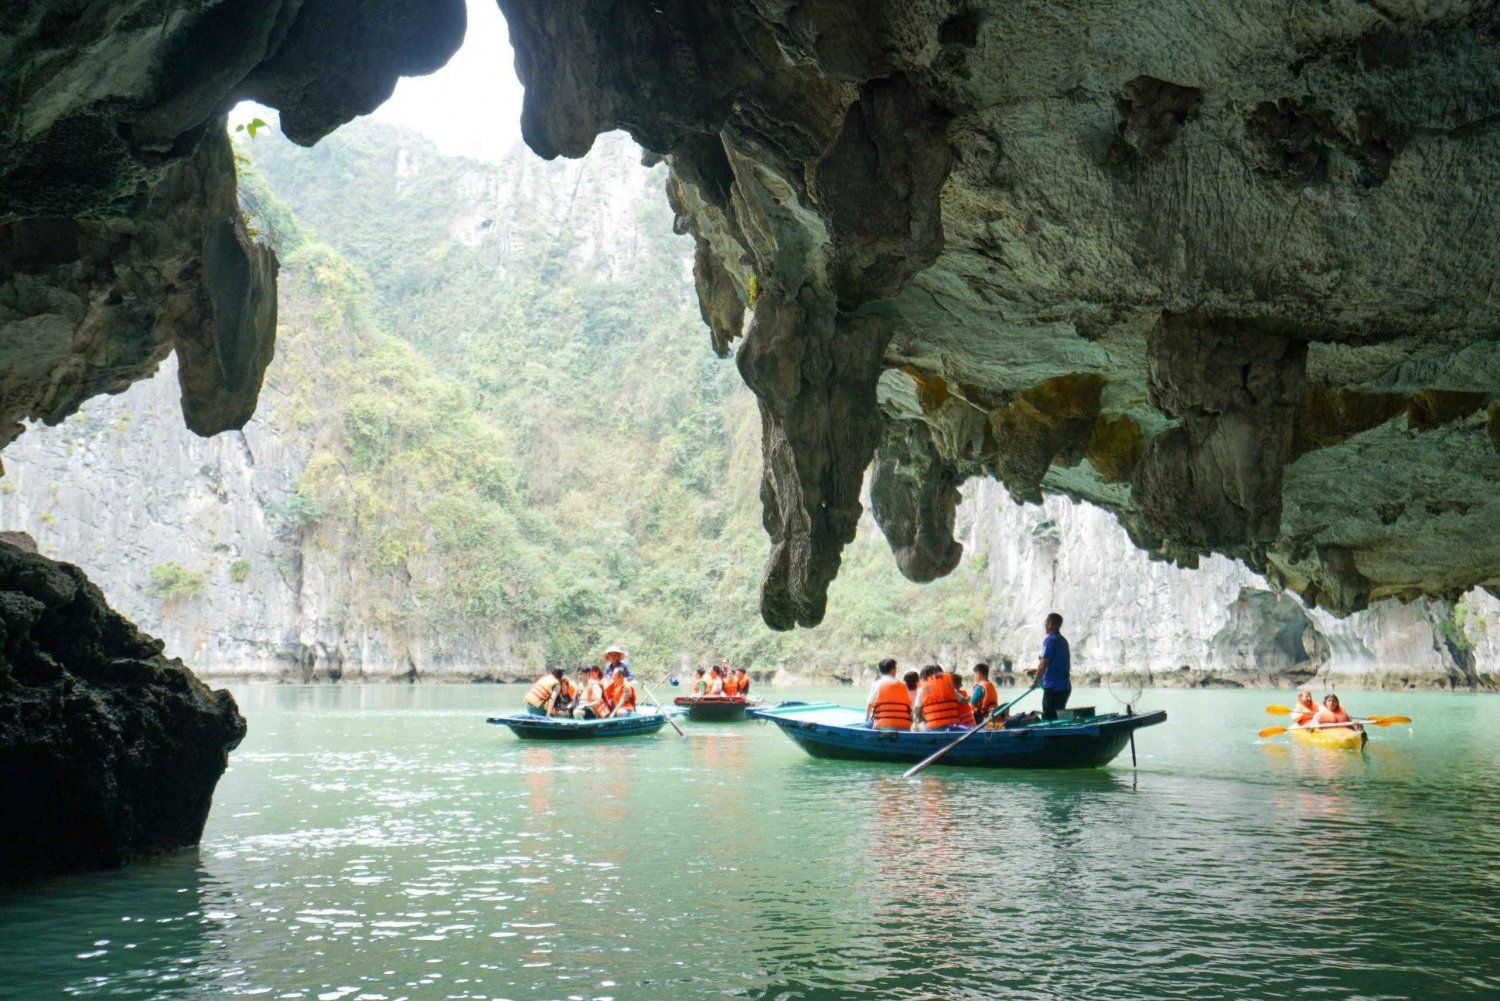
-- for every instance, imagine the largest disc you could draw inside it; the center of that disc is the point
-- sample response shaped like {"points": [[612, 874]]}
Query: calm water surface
{"points": [[377, 843]]}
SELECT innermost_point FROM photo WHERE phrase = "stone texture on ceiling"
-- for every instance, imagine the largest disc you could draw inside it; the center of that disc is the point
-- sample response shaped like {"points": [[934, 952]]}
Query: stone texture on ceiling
{"points": [[1223, 269], [120, 233]]}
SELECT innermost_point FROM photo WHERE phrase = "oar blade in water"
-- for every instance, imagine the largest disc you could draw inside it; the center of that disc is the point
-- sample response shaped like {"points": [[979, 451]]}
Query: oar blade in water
{"points": [[1273, 731], [1279, 710]]}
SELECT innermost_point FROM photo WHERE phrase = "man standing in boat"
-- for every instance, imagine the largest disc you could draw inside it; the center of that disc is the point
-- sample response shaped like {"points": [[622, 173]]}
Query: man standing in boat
{"points": [[615, 658], [1054, 670]]}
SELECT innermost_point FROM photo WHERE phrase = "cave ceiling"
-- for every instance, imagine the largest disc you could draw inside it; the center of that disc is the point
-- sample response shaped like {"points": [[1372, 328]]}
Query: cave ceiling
{"points": [[1224, 269]]}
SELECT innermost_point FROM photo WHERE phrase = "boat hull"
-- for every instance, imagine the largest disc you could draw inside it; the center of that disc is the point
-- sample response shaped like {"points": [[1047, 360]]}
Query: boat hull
{"points": [[1337, 738], [712, 709], [825, 731], [529, 727]]}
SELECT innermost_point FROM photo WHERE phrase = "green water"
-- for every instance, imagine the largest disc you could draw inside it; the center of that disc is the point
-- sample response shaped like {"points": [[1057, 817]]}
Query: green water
{"points": [[381, 843]]}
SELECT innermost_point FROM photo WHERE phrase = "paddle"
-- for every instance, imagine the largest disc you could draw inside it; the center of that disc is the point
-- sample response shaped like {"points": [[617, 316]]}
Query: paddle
{"points": [[1274, 731], [652, 696], [979, 725]]}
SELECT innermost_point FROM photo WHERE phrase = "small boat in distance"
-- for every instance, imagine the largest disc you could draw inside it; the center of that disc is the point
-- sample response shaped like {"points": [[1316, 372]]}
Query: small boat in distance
{"points": [[529, 727], [825, 730], [1338, 738], [713, 708]]}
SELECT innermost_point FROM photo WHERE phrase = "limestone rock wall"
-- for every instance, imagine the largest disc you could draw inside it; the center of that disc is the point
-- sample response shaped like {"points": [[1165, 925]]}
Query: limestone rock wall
{"points": [[1218, 624]]}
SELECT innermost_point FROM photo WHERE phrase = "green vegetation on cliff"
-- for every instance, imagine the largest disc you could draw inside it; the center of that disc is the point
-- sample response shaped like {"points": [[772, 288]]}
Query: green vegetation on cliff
{"points": [[518, 427]]}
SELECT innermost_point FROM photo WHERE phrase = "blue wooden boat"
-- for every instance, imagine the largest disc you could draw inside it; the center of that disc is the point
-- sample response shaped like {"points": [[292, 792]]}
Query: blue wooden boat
{"points": [[825, 730], [529, 727]]}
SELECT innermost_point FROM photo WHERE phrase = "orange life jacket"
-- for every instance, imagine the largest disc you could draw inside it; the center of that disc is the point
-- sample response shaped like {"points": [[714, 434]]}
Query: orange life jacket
{"points": [[891, 706], [991, 697], [540, 692], [1301, 715], [744, 684], [700, 687], [731, 686], [965, 708], [614, 693], [593, 698], [1326, 715], [939, 702], [627, 699]]}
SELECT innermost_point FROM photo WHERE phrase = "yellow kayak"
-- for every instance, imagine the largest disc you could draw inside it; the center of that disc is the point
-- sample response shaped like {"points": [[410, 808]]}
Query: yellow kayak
{"points": [[1339, 738]]}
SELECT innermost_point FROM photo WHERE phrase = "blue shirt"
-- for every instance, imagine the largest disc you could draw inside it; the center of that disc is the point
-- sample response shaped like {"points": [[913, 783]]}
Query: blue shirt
{"points": [[1059, 663]]}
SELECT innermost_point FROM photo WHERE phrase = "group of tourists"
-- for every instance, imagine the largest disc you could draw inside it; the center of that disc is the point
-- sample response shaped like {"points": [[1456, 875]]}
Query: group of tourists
{"points": [[597, 693], [936, 699], [720, 681], [1307, 713]]}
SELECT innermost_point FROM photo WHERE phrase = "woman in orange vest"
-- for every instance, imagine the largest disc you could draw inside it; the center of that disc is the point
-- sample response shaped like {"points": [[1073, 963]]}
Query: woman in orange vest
{"points": [[591, 704], [889, 706], [623, 696], [542, 695], [731, 683], [1305, 709], [965, 708], [1332, 712], [938, 701], [986, 697]]}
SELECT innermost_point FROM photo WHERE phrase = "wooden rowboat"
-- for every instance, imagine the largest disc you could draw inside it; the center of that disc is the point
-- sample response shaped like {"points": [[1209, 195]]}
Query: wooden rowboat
{"points": [[713, 708], [825, 730], [529, 727]]}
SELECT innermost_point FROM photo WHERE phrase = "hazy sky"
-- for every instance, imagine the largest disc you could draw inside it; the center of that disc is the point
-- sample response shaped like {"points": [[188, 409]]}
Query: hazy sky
{"points": [[470, 107]]}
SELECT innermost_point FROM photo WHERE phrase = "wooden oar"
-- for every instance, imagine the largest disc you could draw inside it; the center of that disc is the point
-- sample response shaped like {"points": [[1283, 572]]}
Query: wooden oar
{"points": [[978, 725], [652, 696]]}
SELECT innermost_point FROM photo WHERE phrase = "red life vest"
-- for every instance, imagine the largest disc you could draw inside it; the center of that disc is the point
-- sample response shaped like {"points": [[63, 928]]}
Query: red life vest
{"points": [[965, 708], [731, 686], [627, 699], [614, 693], [939, 702], [991, 697], [891, 707]]}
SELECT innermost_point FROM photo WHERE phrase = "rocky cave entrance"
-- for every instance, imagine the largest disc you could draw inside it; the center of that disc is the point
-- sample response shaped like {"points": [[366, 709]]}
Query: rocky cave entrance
{"points": [[1239, 302]]}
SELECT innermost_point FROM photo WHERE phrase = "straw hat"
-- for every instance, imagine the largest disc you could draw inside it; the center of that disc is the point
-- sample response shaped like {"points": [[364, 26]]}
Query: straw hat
{"points": [[615, 649]]}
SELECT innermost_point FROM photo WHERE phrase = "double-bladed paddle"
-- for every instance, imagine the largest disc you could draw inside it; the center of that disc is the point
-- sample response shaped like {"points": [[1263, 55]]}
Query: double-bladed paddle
{"points": [[1275, 731], [978, 725]]}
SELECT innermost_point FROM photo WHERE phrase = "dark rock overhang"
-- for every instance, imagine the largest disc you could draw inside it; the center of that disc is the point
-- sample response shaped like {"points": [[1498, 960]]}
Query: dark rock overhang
{"points": [[1224, 271]]}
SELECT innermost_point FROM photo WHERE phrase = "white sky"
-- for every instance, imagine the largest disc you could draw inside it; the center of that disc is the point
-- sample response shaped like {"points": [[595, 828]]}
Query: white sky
{"points": [[471, 107]]}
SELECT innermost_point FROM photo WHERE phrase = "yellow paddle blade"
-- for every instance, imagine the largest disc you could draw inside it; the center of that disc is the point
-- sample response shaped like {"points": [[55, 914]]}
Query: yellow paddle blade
{"points": [[1392, 720], [1272, 731], [1279, 710]]}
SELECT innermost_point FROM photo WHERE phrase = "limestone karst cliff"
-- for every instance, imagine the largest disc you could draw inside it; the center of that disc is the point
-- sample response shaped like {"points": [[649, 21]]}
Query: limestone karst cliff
{"points": [[1220, 270]]}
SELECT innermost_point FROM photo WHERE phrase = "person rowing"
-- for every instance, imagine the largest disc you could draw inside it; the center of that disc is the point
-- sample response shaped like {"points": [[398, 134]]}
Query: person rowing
{"points": [[1305, 709], [889, 705], [543, 696], [1053, 671], [1333, 714], [616, 657]]}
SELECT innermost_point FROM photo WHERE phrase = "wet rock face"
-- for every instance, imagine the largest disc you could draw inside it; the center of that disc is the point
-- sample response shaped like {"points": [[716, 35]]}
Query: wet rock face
{"points": [[120, 234], [1220, 274], [107, 749]]}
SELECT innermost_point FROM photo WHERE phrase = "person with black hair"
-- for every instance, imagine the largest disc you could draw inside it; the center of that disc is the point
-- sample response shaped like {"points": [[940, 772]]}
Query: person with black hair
{"points": [[1053, 671]]}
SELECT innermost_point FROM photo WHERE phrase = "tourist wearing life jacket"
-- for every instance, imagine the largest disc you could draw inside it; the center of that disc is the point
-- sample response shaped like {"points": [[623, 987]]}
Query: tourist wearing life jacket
{"points": [[985, 697], [700, 682], [938, 701], [731, 682], [620, 694], [565, 698], [889, 705], [591, 704], [914, 692], [542, 695], [1305, 709], [965, 707], [743, 678], [1332, 712]]}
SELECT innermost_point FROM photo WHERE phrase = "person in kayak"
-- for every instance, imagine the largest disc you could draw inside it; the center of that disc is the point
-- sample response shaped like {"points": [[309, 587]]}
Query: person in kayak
{"points": [[542, 697], [889, 705], [1332, 712], [1053, 671], [1305, 709], [985, 697], [937, 701]]}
